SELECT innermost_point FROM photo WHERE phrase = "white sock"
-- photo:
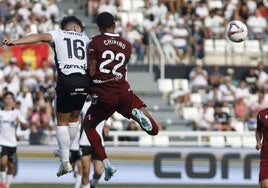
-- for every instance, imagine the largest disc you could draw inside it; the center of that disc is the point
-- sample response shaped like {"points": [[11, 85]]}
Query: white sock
{"points": [[78, 180], [3, 175], [86, 186], [9, 180], [106, 163], [94, 182], [73, 128], [63, 142]]}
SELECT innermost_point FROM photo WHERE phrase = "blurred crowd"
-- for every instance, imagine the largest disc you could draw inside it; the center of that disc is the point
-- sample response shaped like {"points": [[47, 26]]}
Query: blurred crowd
{"points": [[222, 98], [182, 26]]}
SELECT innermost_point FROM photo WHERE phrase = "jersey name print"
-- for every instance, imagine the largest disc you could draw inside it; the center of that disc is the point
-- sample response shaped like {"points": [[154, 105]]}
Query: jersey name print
{"points": [[70, 50]]}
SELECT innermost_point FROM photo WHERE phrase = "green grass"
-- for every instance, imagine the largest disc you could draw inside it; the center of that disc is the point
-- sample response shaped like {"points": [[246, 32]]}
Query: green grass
{"points": [[128, 186]]}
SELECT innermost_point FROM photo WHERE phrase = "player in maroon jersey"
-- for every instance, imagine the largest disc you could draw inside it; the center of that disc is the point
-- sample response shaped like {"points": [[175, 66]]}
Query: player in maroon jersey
{"points": [[108, 58], [261, 135]]}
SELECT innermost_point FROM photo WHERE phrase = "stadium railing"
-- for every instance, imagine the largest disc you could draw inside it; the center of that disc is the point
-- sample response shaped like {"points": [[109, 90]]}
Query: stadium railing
{"points": [[183, 138]]}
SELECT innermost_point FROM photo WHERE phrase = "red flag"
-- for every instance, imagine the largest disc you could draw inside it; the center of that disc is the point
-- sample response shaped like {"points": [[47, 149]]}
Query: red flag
{"points": [[33, 53]]}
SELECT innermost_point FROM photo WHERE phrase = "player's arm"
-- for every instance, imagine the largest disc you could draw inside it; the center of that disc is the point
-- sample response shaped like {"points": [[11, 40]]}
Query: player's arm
{"points": [[30, 39], [92, 67]]}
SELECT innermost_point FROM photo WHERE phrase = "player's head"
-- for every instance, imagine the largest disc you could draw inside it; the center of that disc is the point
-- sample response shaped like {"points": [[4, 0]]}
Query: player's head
{"points": [[105, 20], [71, 23], [9, 98]]}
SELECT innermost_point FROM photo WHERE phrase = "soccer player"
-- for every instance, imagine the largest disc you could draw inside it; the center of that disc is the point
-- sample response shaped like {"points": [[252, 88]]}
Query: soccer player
{"points": [[109, 55], [70, 47], [261, 135], [10, 118]]}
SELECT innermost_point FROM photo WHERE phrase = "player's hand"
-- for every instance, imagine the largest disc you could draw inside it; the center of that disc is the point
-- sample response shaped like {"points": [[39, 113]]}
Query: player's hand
{"points": [[7, 42], [258, 145]]}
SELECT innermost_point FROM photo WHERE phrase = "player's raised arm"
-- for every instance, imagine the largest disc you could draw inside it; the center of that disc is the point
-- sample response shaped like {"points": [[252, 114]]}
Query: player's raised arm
{"points": [[30, 39]]}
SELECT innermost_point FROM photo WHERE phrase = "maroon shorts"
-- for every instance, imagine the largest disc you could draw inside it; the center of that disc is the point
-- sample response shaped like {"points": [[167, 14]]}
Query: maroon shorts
{"points": [[263, 169], [123, 102]]}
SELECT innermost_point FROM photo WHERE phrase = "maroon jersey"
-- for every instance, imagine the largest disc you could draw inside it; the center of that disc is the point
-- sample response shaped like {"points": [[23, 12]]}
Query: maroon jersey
{"points": [[262, 126], [112, 54]]}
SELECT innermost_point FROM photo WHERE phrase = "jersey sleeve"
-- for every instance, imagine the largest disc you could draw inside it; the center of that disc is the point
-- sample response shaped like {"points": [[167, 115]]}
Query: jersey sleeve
{"points": [[54, 35]]}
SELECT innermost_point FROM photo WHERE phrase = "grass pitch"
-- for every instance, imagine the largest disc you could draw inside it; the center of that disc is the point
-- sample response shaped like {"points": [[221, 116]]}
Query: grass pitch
{"points": [[129, 186]]}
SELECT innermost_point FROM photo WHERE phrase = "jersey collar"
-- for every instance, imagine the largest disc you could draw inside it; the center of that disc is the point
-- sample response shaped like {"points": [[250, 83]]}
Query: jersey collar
{"points": [[112, 34]]}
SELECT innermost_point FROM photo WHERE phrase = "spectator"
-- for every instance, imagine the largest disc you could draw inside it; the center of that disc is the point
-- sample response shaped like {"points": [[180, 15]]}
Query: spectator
{"points": [[25, 97], [205, 120], [149, 24], [257, 26], [216, 76], [241, 110], [24, 11], [180, 97], [251, 79], [242, 91], [202, 10], [260, 104], [222, 119], [214, 24], [12, 69], [228, 91], [135, 38], [198, 40], [52, 9], [108, 6], [5, 12], [159, 10], [242, 12], [262, 77], [180, 39], [231, 75], [29, 77], [214, 95], [198, 77], [168, 48]]}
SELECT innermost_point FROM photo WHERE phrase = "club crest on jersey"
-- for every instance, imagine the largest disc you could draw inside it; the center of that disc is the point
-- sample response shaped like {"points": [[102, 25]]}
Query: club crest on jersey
{"points": [[266, 116], [89, 116]]}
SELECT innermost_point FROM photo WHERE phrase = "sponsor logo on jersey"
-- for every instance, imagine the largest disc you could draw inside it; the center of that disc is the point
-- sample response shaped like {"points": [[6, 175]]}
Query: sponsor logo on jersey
{"points": [[75, 67]]}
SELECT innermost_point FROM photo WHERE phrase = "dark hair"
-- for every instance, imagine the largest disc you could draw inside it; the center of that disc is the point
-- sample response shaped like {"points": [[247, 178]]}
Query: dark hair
{"points": [[71, 19], [218, 105], [9, 93], [105, 20]]}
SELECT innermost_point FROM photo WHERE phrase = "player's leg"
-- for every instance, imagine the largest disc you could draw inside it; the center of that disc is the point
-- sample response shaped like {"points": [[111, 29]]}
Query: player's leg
{"points": [[89, 125], [10, 170], [4, 163], [76, 164], [139, 113], [64, 142], [98, 169], [79, 172], [86, 161], [144, 118], [264, 183], [74, 124]]}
